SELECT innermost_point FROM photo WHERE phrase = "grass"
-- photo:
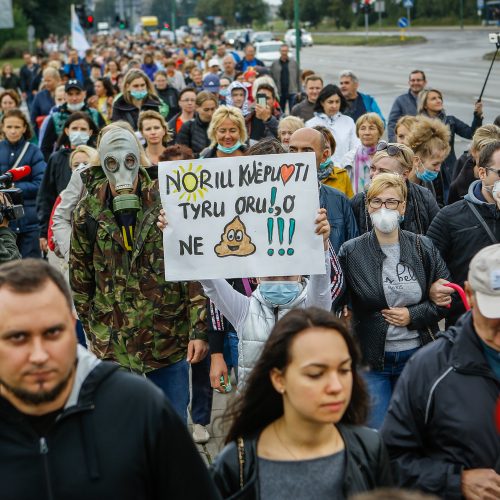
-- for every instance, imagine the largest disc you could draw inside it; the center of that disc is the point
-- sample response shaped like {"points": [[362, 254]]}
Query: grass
{"points": [[489, 56], [16, 62], [373, 40]]}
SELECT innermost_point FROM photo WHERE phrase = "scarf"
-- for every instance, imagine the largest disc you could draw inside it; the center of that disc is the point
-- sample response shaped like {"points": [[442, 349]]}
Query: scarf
{"points": [[362, 162], [324, 173]]}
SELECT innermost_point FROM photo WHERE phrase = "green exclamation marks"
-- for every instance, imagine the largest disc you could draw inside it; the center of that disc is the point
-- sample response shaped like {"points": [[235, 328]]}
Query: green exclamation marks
{"points": [[291, 232], [273, 199], [281, 230], [270, 228]]}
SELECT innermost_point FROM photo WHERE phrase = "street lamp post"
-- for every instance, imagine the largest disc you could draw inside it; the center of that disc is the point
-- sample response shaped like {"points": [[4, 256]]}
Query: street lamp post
{"points": [[298, 37]]}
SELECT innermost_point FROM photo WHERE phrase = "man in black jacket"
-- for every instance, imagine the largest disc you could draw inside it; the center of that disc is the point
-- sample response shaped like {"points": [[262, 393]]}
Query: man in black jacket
{"points": [[460, 230], [440, 430], [72, 426]]}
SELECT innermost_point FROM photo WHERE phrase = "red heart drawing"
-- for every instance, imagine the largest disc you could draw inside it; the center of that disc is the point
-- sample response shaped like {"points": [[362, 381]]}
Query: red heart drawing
{"points": [[286, 172]]}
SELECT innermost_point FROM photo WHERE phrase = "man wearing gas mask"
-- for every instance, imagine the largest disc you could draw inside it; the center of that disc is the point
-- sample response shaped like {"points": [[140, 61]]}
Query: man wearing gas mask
{"points": [[460, 230], [130, 314]]}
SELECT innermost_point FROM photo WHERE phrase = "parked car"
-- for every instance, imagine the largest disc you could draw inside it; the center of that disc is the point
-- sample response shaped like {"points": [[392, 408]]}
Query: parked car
{"points": [[306, 38], [268, 52], [243, 38], [261, 36], [230, 36]]}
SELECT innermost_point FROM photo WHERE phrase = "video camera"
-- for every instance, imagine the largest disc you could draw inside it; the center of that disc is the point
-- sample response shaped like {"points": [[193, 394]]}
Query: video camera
{"points": [[11, 207]]}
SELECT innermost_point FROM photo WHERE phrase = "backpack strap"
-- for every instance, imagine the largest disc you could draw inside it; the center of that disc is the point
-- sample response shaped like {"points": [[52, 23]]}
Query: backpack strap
{"points": [[478, 216], [21, 154]]}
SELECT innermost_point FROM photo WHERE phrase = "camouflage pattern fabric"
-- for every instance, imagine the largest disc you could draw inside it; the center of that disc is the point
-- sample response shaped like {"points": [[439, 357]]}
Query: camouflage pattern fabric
{"points": [[130, 314]]}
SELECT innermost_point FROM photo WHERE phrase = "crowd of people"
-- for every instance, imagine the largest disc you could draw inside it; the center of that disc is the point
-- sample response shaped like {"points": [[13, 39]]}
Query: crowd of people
{"points": [[345, 383]]}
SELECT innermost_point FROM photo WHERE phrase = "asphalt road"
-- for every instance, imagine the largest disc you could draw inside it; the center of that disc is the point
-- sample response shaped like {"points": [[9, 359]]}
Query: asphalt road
{"points": [[451, 59]]}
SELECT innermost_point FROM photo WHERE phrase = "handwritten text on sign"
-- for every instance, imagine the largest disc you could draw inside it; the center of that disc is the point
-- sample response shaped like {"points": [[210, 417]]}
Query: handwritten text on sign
{"points": [[241, 217]]}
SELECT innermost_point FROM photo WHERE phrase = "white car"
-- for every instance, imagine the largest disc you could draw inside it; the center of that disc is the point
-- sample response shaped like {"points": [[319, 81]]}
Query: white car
{"points": [[306, 38], [261, 36], [231, 36], [268, 52]]}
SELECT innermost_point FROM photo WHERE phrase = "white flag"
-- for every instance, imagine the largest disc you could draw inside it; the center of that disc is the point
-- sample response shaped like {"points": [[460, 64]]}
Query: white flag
{"points": [[78, 40]]}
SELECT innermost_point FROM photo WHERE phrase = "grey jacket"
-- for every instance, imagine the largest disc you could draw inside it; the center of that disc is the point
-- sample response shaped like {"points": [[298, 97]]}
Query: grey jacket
{"points": [[405, 104], [293, 73]]}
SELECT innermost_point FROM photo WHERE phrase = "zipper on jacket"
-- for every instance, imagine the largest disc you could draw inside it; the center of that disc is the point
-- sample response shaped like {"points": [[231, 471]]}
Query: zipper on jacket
{"points": [[44, 450]]}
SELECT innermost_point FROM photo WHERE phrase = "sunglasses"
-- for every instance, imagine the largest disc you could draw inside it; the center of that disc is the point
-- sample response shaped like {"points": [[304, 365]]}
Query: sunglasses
{"points": [[392, 149]]}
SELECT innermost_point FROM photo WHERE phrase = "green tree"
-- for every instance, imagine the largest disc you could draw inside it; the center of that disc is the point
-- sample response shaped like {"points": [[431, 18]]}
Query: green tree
{"points": [[20, 29], [311, 11], [47, 16]]}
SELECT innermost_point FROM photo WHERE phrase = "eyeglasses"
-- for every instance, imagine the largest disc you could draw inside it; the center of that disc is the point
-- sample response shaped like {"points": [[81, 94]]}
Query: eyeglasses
{"points": [[392, 149], [497, 171], [390, 204]]}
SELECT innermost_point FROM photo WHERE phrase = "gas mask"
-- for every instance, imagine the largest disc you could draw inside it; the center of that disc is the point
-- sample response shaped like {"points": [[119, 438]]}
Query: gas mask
{"points": [[119, 155]]}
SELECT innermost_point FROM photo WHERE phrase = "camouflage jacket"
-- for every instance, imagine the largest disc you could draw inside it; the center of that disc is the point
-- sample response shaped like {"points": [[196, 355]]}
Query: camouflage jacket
{"points": [[129, 312]]}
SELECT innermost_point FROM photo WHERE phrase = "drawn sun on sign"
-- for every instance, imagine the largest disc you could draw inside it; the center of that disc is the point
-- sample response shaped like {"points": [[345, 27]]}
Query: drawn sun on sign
{"points": [[190, 183]]}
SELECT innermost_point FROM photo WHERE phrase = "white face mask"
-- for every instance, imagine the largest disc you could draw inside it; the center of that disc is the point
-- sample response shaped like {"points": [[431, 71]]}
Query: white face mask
{"points": [[76, 107], [385, 220], [496, 193]]}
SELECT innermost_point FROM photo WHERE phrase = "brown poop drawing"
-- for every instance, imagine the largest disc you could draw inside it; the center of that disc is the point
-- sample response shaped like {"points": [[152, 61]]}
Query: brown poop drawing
{"points": [[235, 240]]}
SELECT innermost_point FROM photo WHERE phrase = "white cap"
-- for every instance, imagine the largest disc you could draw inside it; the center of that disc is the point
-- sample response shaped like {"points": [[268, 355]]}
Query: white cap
{"points": [[213, 62]]}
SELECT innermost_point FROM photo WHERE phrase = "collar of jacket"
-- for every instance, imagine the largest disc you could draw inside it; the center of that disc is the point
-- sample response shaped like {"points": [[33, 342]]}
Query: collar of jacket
{"points": [[406, 245], [467, 355], [123, 105], [329, 119]]}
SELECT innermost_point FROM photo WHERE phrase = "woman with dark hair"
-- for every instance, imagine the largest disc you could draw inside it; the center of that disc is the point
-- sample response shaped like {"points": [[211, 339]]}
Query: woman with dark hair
{"points": [[297, 429], [79, 130], [328, 112], [15, 151], [102, 100]]}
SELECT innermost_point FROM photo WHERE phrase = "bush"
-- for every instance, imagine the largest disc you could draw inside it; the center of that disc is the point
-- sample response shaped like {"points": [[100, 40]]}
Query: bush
{"points": [[13, 49]]}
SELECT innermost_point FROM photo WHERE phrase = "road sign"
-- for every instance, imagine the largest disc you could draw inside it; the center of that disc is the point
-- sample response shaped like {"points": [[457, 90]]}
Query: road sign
{"points": [[6, 14], [380, 6], [403, 22], [408, 4]]}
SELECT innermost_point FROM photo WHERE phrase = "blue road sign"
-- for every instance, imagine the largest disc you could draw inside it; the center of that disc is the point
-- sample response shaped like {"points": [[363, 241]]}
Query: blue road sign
{"points": [[403, 22]]}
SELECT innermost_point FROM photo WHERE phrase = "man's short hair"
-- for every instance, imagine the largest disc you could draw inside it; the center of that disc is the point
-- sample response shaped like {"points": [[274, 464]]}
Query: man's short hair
{"points": [[486, 154], [30, 275], [312, 78], [347, 73], [418, 71]]}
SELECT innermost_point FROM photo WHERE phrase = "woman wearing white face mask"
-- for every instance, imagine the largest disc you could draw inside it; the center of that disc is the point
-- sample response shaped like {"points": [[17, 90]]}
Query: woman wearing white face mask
{"points": [[388, 272], [79, 130]]}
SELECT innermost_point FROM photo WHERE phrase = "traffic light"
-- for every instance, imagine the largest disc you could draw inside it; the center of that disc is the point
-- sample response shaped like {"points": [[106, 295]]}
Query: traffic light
{"points": [[90, 21], [81, 14], [166, 26], [123, 24]]}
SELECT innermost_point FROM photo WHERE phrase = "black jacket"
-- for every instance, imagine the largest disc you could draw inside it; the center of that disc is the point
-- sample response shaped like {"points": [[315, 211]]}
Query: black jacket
{"points": [[421, 208], [362, 260], [458, 235], [463, 177], [194, 135], [122, 110], [441, 417], [120, 439], [366, 465], [171, 97], [55, 179]]}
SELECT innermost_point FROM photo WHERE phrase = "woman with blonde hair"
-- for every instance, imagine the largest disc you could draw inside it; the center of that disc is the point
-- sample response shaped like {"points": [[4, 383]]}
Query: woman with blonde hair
{"points": [[227, 134], [403, 128], [286, 127], [328, 174], [421, 206], [138, 95], [369, 129], [430, 104], [430, 141], [154, 130], [393, 315], [466, 167]]}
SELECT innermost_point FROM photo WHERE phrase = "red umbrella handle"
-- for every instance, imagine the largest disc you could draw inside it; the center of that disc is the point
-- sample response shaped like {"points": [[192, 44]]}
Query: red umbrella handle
{"points": [[460, 292]]}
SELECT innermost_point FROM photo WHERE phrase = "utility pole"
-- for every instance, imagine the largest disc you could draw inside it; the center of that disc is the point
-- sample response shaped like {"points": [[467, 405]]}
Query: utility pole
{"points": [[298, 36]]}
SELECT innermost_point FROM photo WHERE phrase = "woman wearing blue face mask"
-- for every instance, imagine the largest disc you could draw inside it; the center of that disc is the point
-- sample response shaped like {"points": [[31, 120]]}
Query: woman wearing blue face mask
{"points": [[429, 139], [79, 130], [138, 95], [388, 273], [227, 134]]}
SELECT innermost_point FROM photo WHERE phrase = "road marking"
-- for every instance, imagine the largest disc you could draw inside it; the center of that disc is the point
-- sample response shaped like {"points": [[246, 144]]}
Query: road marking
{"points": [[468, 73]]}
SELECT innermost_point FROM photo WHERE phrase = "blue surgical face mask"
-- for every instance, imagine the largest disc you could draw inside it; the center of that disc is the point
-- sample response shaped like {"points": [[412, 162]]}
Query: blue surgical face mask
{"points": [[224, 92], [280, 293], [78, 138], [230, 150], [139, 94], [426, 175], [325, 164]]}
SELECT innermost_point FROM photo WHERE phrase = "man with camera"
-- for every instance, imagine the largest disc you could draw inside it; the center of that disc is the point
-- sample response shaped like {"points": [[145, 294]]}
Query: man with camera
{"points": [[8, 247]]}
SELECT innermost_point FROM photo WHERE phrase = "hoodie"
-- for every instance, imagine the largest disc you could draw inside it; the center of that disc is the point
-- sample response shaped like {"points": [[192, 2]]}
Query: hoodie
{"points": [[229, 99], [100, 445]]}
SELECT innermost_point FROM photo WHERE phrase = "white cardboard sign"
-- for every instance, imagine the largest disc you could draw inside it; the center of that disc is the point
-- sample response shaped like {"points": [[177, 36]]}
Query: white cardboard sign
{"points": [[243, 216]]}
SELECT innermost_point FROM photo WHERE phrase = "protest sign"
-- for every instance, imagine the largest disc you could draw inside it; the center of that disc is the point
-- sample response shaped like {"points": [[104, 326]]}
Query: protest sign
{"points": [[241, 217]]}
